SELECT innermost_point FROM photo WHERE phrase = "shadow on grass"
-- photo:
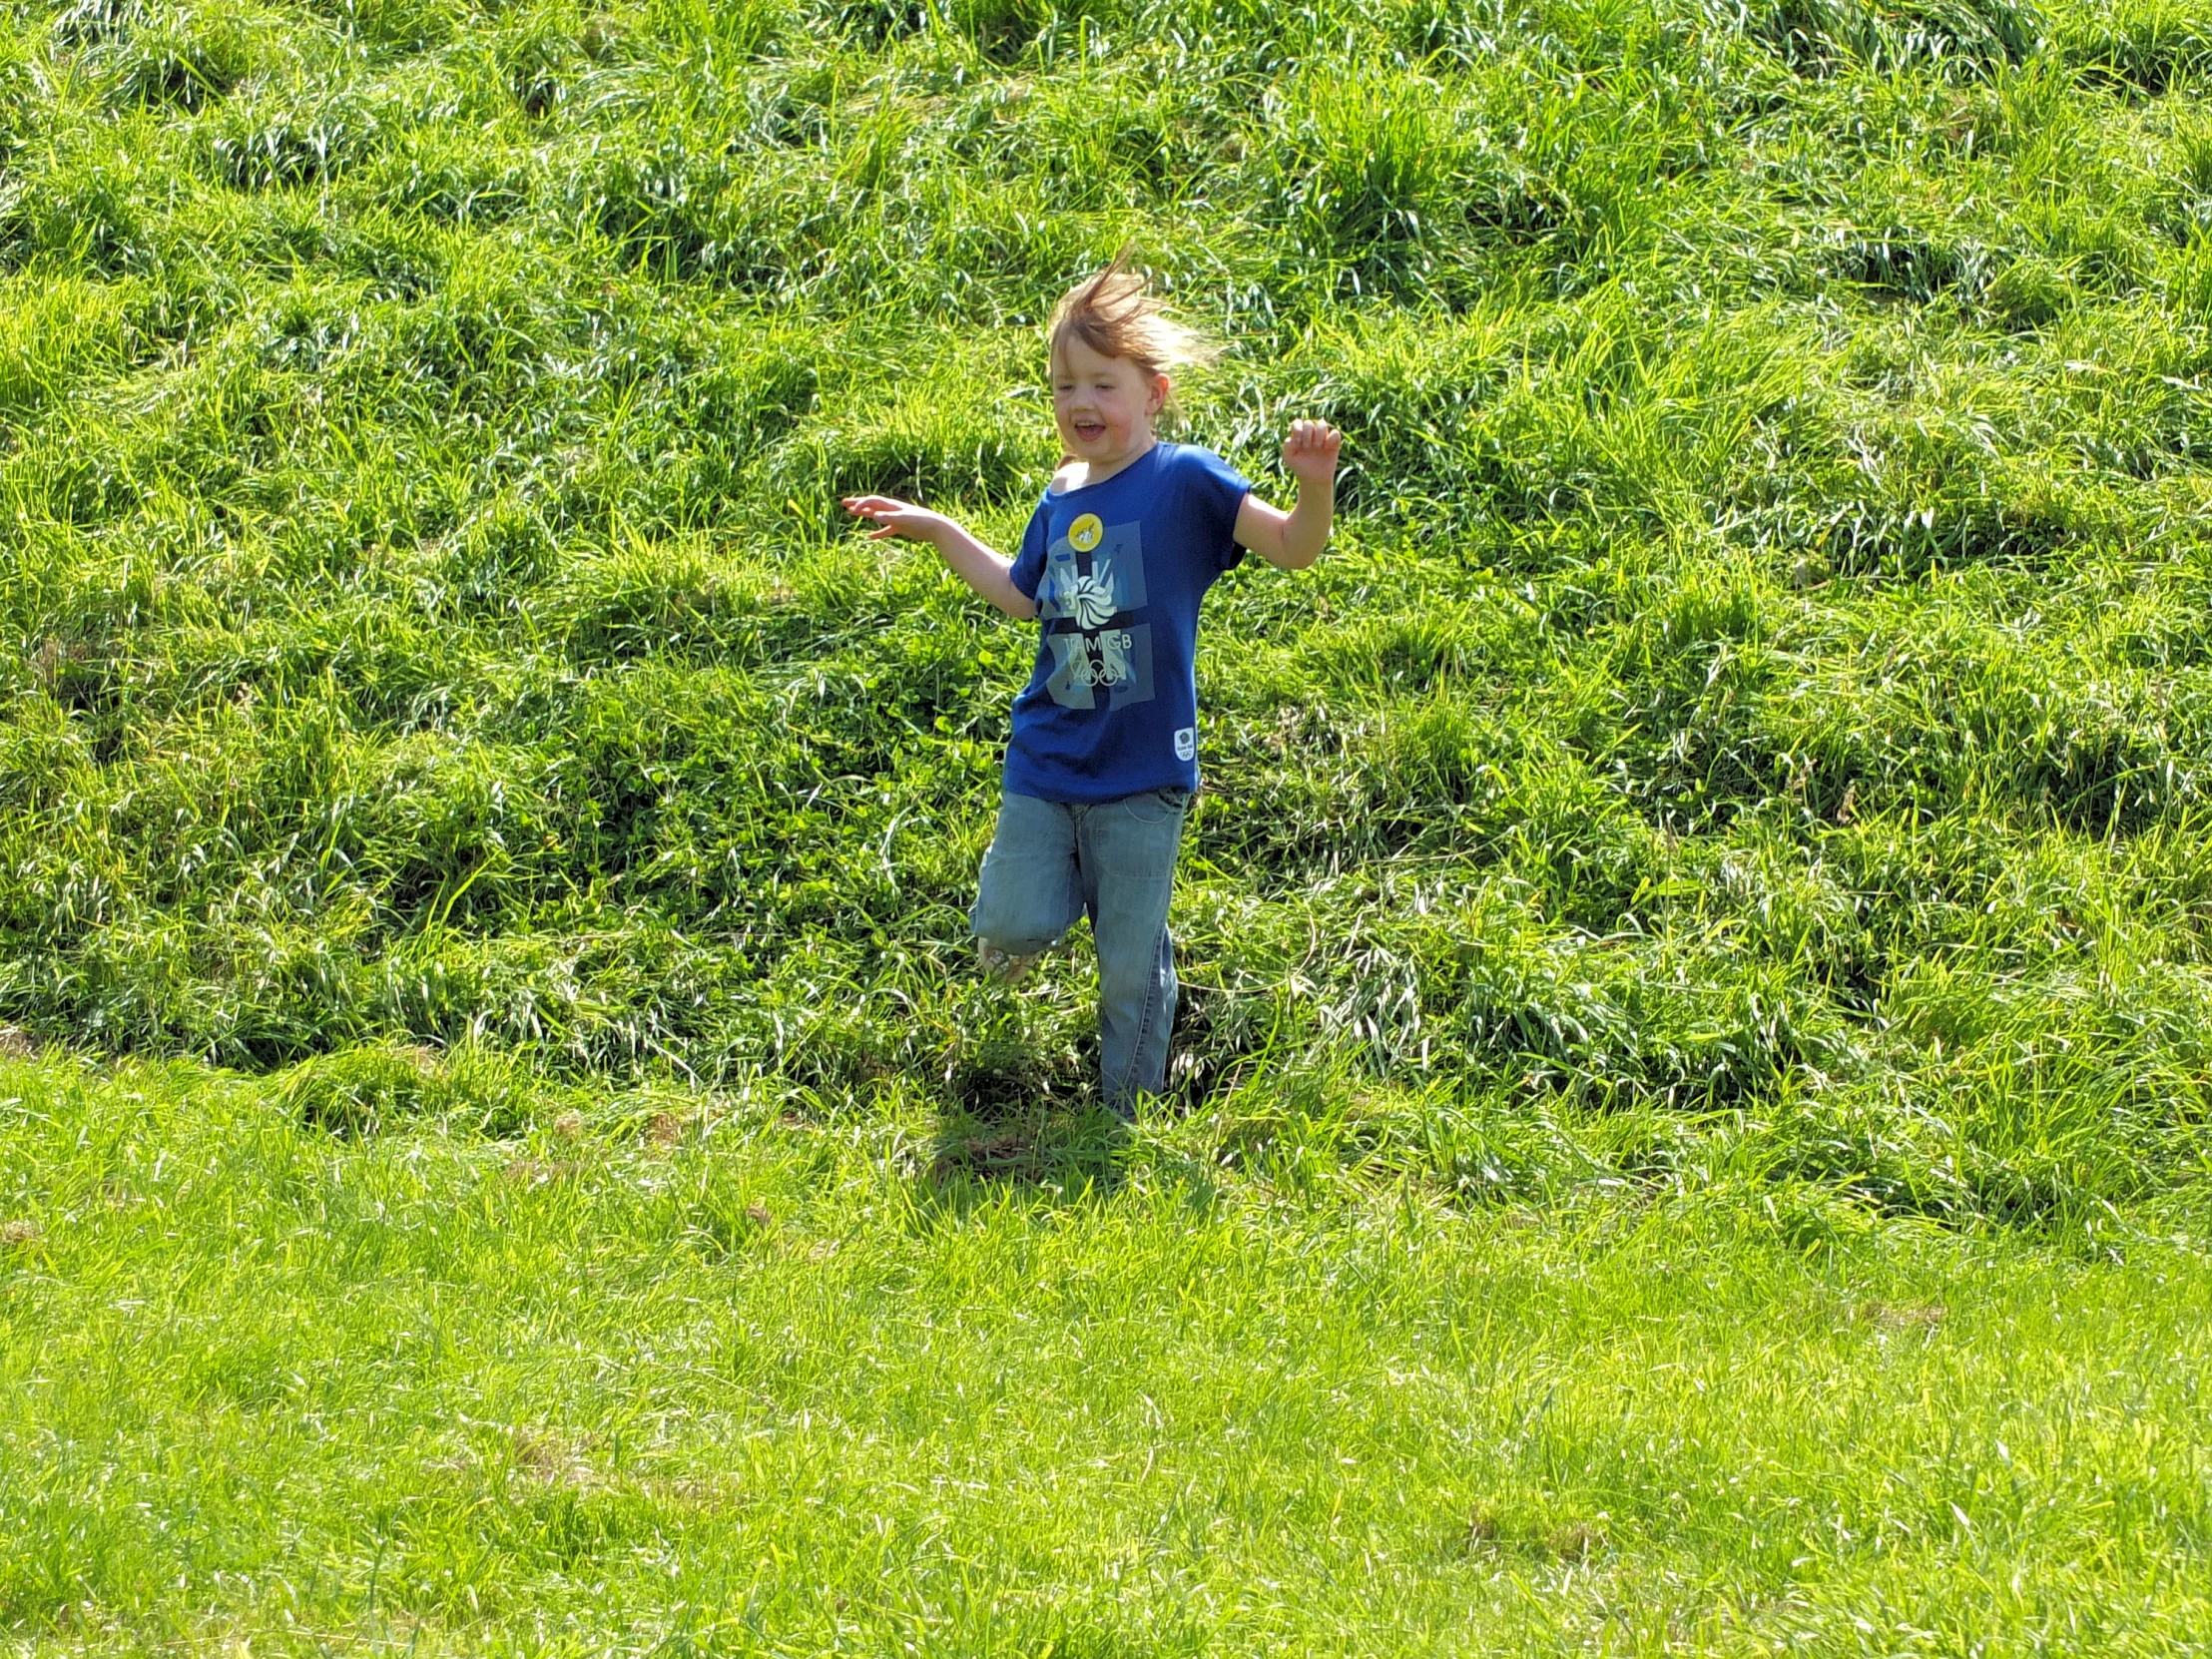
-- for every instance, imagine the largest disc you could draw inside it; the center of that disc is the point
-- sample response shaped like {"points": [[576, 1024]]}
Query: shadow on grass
{"points": [[1015, 1120], [1056, 1150]]}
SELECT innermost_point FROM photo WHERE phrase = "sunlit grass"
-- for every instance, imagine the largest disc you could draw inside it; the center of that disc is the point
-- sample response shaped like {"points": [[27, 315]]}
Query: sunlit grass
{"points": [[1733, 795], [663, 1372]]}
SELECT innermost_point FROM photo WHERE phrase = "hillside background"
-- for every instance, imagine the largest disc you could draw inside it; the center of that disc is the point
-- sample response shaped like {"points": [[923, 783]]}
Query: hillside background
{"points": [[1763, 667]]}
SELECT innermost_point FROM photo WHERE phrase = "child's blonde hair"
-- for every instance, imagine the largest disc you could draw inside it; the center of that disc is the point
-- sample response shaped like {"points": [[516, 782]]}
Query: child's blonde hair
{"points": [[1115, 315]]}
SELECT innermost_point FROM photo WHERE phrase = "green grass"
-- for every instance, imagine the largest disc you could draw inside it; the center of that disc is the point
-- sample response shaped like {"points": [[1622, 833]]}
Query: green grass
{"points": [[753, 1387], [1713, 860]]}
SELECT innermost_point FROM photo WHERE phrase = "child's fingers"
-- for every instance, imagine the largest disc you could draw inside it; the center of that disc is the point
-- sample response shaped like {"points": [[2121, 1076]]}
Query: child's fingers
{"points": [[1311, 439]]}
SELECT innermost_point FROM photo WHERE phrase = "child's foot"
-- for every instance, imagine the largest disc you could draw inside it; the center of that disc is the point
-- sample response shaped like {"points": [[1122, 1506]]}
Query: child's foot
{"points": [[1003, 966]]}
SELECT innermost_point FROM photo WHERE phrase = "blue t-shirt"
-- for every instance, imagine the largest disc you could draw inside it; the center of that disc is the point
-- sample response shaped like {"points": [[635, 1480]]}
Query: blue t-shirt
{"points": [[1117, 570]]}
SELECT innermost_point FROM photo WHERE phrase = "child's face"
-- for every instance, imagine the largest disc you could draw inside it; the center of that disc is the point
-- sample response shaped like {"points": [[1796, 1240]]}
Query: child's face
{"points": [[1104, 406]]}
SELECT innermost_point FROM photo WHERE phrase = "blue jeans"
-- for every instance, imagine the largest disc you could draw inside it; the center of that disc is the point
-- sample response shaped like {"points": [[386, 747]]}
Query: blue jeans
{"points": [[1114, 860]]}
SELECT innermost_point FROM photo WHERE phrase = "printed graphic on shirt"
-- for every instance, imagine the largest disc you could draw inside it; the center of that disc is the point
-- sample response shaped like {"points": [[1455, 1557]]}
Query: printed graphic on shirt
{"points": [[1093, 589], [1117, 660], [1186, 742]]}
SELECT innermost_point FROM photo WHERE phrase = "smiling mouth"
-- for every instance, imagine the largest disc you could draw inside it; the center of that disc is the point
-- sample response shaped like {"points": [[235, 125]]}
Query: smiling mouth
{"points": [[1090, 431]]}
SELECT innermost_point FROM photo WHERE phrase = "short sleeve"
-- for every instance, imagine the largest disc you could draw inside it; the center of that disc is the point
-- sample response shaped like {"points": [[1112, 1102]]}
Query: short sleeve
{"points": [[1028, 567], [1217, 494]]}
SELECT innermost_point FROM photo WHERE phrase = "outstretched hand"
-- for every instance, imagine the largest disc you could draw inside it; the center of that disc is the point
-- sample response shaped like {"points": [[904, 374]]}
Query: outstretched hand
{"points": [[894, 517], [988, 574], [1310, 452]]}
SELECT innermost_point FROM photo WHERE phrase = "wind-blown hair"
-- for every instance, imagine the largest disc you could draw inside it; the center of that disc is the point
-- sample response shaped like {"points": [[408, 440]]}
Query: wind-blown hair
{"points": [[1116, 316]]}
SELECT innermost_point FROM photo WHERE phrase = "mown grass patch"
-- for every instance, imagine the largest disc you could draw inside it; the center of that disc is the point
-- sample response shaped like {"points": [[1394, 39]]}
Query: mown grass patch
{"points": [[666, 1367]]}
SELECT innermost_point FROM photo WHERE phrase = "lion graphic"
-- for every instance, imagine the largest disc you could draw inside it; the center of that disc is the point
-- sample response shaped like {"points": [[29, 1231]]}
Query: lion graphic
{"points": [[1092, 600]]}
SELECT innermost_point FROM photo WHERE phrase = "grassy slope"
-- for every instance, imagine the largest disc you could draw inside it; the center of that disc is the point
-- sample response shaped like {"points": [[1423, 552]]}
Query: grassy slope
{"points": [[1745, 750]]}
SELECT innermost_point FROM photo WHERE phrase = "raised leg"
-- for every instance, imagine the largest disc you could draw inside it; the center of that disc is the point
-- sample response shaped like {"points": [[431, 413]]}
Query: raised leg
{"points": [[1028, 894]]}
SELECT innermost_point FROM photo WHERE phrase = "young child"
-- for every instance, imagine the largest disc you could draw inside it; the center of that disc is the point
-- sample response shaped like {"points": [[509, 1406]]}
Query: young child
{"points": [[1104, 755]]}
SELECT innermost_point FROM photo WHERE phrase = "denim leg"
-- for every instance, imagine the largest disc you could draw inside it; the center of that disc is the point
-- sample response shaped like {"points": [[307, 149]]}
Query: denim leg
{"points": [[1028, 894], [1127, 849]]}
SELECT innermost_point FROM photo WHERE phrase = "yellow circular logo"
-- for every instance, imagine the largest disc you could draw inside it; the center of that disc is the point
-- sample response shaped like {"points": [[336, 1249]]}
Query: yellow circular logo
{"points": [[1083, 534]]}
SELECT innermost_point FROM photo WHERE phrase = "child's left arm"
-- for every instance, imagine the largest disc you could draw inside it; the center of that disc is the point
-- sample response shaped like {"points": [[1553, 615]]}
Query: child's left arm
{"points": [[1293, 540]]}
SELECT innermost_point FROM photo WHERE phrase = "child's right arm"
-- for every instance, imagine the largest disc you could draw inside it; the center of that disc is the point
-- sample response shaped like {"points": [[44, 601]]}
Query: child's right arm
{"points": [[990, 574]]}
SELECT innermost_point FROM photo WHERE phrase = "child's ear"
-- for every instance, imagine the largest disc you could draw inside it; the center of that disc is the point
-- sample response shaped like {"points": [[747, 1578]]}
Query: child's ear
{"points": [[1157, 399]]}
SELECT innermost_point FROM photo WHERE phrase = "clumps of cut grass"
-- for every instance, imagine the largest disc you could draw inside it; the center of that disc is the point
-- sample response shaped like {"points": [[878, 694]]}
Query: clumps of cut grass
{"points": [[88, 213], [2149, 45], [309, 135], [925, 441], [1534, 1531], [687, 215], [1386, 178], [375, 1088], [1377, 168], [1958, 38], [164, 61]]}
